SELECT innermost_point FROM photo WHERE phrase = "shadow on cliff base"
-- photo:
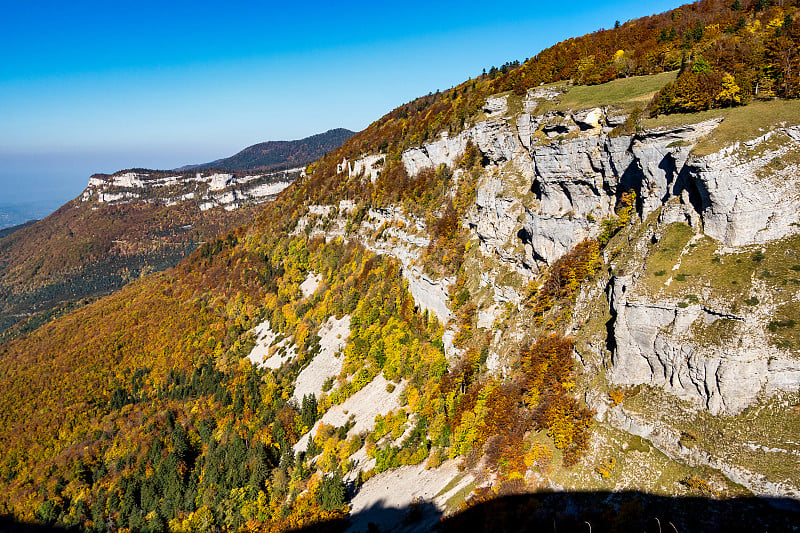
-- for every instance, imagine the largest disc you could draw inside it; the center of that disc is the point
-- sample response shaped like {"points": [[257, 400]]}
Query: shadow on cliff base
{"points": [[624, 511], [9, 525], [595, 512], [562, 512]]}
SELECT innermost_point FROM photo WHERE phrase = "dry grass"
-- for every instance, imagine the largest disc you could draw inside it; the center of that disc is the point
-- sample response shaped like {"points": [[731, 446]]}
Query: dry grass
{"points": [[624, 93], [739, 124]]}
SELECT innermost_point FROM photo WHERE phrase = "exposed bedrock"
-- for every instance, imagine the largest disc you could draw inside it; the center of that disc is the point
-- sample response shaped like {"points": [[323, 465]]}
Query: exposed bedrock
{"points": [[653, 344], [574, 182]]}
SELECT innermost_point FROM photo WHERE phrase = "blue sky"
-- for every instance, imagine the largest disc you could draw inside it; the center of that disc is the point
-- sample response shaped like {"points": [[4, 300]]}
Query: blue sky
{"points": [[99, 86]]}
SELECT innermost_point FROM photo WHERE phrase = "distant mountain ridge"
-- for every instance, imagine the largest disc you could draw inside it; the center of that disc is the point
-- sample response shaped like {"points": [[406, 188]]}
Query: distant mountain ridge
{"points": [[139, 220], [280, 155], [206, 189], [123, 224]]}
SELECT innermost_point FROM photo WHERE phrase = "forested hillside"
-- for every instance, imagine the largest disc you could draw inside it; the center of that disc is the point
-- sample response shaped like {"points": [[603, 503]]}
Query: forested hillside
{"points": [[534, 298], [78, 253], [136, 221], [121, 227]]}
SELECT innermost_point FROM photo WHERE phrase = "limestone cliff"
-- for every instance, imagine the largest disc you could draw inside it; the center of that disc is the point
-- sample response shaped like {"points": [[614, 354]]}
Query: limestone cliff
{"points": [[688, 331], [206, 190], [731, 196]]}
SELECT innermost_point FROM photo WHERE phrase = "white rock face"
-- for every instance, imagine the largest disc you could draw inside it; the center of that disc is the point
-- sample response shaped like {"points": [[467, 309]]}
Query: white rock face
{"points": [[347, 206], [265, 353], [496, 105], [373, 400], [577, 182], [667, 440], [264, 339], [652, 346], [543, 93], [383, 499], [227, 191], [732, 196], [310, 285], [488, 317], [581, 177], [328, 362], [217, 182], [446, 151], [551, 237], [495, 217], [428, 293], [740, 205], [493, 137], [367, 165], [589, 119]]}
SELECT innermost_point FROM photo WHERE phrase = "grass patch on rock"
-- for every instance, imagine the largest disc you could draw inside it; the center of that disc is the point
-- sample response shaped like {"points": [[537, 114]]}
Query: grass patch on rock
{"points": [[624, 93], [739, 123], [455, 501]]}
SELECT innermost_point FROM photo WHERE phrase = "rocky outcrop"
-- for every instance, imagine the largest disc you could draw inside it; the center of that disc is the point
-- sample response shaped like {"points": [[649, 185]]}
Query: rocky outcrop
{"points": [[667, 440], [229, 191], [739, 200], [446, 150], [575, 183], [653, 345], [551, 237], [496, 106], [742, 201], [429, 294], [589, 119], [493, 138], [495, 220], [368, 166]]}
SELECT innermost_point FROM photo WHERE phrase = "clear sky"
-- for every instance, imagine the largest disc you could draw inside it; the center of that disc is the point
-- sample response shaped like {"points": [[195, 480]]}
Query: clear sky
{"points": [[91, 87]]}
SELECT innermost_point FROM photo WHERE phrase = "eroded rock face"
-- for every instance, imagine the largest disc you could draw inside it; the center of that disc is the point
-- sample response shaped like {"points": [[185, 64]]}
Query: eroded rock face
{"points": [[229, 191], [496, 106], [575, 183], [369, 166], [589, 119], [495, 221], [551, 237], [653, 345], [445, 150], [743, 204], [493, 138]]}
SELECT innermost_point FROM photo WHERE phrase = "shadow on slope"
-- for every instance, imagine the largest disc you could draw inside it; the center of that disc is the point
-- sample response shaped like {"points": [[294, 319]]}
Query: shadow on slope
{"points": [[560, 512], [9, 525], [624, 511], [420, 516]]}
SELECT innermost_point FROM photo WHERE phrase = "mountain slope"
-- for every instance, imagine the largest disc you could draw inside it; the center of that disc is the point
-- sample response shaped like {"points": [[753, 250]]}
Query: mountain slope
{"points": [[11, 229], [280, 155], [121, 227], [557, 294], [138, 220]]}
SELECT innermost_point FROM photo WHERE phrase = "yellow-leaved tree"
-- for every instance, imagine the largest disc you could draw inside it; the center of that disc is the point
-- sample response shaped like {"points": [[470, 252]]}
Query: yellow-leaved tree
{"points": [[731, 94]]}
